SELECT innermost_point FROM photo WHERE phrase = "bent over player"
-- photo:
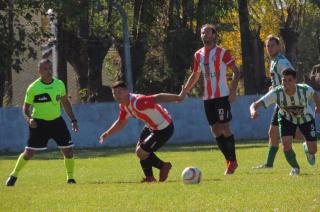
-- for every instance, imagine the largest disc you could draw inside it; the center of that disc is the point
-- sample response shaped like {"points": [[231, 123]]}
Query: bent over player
{"points": [[157, 131], [45, 95], [294, 112]]}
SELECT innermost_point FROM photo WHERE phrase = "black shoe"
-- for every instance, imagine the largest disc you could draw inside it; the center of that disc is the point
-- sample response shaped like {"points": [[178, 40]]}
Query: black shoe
{"points": [[71, 181], [11, 181]]}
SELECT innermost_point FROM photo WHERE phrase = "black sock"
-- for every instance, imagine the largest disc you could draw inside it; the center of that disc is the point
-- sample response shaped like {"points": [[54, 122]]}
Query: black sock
{"points": [[231, 149], [146, 167], [222, 146], [155, 161]]}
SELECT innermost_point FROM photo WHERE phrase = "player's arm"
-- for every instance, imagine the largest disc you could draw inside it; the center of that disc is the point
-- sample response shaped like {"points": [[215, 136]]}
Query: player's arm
{"points": [[192, 80], [235, 81], [68, 109], [316, 99], [253, 109], [169, 97], [26, 114], [118, 125], [194, 77], [264, 101]]}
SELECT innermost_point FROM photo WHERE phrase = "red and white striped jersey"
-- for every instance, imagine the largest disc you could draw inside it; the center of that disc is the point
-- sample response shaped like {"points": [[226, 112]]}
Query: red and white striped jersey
{"points": [[144, 108], [213, 64]]}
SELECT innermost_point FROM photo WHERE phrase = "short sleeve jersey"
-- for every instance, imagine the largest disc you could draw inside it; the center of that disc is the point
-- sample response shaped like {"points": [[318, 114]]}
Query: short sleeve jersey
{"points": [[45, 99], [144, 108], [213, 64], [279, 63], [295, 108]]}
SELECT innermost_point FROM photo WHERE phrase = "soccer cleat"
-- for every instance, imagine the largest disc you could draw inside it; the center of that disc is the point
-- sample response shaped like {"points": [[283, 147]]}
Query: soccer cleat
{"points": [[11, 181], [148, 179], [231, 167], [164, 171], [262, 166], [310, 157], [71, 181], [294, 171]]}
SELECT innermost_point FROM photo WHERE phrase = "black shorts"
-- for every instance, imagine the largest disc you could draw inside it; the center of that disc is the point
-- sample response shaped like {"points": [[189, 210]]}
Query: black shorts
{"points": [[274, 119], [287, 128], [152, 140], [218, 110], [55, 129]]}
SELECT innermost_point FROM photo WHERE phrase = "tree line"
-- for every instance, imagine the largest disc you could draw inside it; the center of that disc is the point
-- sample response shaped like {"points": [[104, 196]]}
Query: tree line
{"points": [[164, 34]]}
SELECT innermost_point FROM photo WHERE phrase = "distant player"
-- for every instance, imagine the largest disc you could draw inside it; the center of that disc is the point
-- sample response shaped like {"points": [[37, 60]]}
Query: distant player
{"points": [[278, 63], [212, 61], [44, 96], [158, 129], [294, 112]]}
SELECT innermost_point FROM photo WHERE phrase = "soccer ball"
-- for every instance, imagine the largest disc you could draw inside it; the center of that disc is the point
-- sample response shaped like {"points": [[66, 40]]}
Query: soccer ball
{"points": [[191, 175]]}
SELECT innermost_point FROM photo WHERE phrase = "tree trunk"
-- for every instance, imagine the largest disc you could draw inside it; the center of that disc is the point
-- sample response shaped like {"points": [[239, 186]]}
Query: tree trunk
{"points": [[97, 51], [62, 61], [258, 61], [7, 100], [139, 48], [248, 73], [76, 54]]}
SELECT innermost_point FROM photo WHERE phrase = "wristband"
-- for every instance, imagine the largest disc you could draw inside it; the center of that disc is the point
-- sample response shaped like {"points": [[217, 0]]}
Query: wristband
{"points": [[74, 121]]}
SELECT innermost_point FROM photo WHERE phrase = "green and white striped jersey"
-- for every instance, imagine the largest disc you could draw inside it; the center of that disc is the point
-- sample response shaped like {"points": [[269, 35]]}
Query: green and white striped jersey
{"points": [[296, 108], [277, 64]]}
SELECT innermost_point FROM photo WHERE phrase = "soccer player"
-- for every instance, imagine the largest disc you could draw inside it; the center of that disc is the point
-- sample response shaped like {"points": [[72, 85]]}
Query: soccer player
{"points": [[45, 95], [278, 63], [294, 112], [213, 61], [157, 131]]}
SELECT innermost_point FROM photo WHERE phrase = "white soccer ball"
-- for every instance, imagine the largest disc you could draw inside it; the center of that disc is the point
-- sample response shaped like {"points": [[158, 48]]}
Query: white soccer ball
{"points": [[191, 175]]}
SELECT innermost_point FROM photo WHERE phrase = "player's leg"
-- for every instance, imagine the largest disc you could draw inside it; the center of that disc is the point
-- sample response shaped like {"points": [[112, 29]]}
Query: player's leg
{"points": [[60, 133], [273, 146], [143, 155], [37, 140], [310, 146], [146, 150], [212, 118], [224, 136], [287, 131]]}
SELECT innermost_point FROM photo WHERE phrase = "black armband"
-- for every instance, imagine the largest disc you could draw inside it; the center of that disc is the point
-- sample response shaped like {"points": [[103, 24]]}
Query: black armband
{"points": [[74, 121]]}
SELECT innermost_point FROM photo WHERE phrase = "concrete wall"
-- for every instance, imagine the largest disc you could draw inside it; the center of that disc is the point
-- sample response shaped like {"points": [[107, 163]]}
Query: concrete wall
{"points": [[189, 119]]}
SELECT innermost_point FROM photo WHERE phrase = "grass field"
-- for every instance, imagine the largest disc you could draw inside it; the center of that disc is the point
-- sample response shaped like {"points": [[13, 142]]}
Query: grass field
{"points": [[108, 180]]}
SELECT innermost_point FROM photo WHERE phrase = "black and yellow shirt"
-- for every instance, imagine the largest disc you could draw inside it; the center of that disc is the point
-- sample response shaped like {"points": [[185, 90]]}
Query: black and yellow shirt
{"points": [[45, 99]]}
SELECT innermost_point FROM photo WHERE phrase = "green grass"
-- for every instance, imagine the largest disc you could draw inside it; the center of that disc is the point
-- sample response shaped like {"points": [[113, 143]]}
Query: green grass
{"points": [[108, 180]]}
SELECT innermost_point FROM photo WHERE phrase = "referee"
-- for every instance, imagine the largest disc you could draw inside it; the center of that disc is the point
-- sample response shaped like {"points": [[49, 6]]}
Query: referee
{"points": [[45, 95]]}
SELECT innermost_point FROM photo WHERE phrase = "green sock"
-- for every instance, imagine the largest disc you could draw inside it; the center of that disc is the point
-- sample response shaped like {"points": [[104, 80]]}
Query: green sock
{"points": [[291, 158], [272, 151], [69, 163], [19, 165]]}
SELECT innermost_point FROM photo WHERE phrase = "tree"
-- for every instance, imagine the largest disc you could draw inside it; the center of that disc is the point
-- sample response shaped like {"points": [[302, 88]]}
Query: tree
{"points": [[17, 41]]}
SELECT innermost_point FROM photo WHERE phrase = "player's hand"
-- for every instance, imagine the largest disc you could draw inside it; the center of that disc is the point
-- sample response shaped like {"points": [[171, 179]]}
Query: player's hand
{"points": [[103, 137], [232, 96], [317, 109], [254, 114], [75, 127], [182, 94], [32, 123], [270, 88]]}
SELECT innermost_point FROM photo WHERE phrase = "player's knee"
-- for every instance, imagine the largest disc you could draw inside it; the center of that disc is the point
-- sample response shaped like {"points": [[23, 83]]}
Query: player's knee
{"points": [[68, 152], [286, 147], [28, 154], [141, 153]]}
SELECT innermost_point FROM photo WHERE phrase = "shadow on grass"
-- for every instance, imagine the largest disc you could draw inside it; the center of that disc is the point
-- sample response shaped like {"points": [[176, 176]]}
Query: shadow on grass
{"points": [[109, 152], [153, 183]]}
